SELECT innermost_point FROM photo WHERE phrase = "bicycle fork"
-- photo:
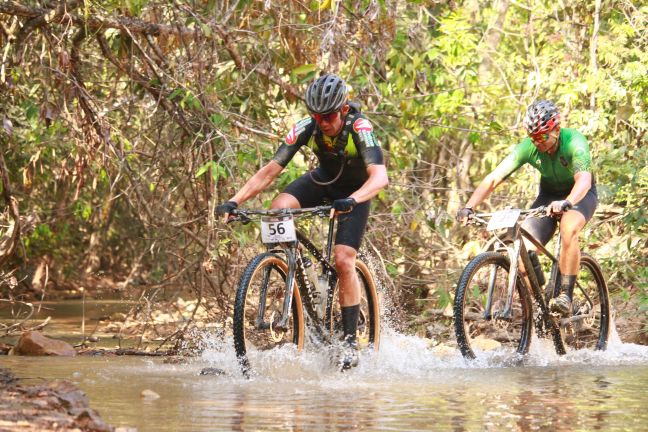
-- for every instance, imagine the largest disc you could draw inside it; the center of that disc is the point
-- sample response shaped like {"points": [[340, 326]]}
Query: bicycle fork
{"points": [[282, 323], [506, 313]]}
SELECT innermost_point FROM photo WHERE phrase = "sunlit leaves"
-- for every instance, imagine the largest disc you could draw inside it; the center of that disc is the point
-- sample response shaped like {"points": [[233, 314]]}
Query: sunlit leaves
{"points": [[217, 171]]}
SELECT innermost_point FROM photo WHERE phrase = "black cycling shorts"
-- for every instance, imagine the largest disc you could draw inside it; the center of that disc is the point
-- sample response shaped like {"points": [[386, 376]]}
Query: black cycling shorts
{"points": [[544, 228], [350, 226]]}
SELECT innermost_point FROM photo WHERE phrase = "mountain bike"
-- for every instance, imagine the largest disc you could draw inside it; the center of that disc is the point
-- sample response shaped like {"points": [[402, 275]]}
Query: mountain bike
{"points": [[293, 286], [493, 305]]}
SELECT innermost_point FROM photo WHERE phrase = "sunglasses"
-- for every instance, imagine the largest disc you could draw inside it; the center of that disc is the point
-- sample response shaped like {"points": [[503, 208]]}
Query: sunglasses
{"points": [[319, 118], [540, 138]]}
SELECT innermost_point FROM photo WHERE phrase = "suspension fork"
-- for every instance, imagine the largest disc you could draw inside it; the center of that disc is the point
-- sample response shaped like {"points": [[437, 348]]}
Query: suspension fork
{"points": [[329, 274], [290, 252], [555, 269], [514, 253], [259, 323]]}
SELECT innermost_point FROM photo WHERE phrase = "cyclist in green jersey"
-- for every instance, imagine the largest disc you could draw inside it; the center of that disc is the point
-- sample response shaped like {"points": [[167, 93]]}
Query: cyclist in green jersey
{"points": [[567, 187], [351, 172]]}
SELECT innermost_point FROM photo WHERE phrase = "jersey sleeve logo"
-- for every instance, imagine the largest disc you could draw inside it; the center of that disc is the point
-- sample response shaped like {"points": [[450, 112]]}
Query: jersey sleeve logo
{"points": [[291, 138], [362, 125], [296, 130]]}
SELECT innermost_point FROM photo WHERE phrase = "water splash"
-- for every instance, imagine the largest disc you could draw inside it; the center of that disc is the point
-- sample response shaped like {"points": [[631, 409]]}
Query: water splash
{"points": [[404, 356]]}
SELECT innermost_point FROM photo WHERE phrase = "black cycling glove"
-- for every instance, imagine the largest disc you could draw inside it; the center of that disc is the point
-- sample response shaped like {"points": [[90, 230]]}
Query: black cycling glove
{"points": [[344, 205], [560, 206], [226, 207], [464, 213]]}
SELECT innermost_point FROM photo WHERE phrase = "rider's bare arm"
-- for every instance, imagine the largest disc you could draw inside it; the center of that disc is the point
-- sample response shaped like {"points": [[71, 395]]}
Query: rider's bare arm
{"points": [[377, 180], [483, 191], [583, 184], [258, 182]]}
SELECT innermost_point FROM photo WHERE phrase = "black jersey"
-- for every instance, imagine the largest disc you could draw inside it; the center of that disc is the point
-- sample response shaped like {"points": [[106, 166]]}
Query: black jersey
{"points": [[355, 147]]}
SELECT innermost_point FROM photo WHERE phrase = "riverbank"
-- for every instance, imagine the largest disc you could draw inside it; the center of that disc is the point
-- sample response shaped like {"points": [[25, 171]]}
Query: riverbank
{"points": [[56, 405]]}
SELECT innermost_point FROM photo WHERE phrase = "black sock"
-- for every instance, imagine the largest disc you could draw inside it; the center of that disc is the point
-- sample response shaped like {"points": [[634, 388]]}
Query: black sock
{"points": [[350, 316], [567, 283]]}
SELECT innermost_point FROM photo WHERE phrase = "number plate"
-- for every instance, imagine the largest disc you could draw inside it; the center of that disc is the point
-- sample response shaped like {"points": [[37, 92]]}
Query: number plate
{"points": [[503, 219], [277, 229]]}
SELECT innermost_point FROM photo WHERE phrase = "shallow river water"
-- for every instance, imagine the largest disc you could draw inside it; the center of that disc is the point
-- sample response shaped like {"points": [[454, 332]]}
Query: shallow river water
{"points": [[406, 386]]}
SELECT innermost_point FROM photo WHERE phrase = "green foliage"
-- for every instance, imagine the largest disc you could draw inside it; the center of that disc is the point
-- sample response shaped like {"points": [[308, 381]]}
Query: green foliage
{"points": [[187, 120]]}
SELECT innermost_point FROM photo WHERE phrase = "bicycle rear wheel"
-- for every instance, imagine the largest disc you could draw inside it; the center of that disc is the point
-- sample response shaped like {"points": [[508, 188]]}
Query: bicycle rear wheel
{"points": [[589, 325], [368, 335], [258, 308], [482, 329]]}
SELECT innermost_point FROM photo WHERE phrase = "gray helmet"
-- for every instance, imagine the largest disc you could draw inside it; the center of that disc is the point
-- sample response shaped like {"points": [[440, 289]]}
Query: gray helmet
{"points": [[541, 117], [326, 94]]}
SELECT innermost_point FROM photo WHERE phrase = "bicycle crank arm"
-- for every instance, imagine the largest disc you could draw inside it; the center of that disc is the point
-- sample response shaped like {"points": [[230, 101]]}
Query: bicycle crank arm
{"points": [[575, 318]]}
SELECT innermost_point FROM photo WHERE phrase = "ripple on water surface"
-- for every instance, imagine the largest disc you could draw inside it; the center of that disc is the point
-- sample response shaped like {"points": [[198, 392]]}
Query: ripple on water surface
{"points": [[406, 386]]}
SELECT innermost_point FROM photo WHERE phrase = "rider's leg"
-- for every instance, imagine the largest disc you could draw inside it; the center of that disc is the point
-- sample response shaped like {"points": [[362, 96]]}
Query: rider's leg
{"points": [[345, 257], [285, 200], [349, 286], [349, 293], [351, 227], [571, 225], [542, 229]]}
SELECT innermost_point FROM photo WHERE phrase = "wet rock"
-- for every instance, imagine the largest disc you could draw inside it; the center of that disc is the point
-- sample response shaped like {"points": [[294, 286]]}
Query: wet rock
{"points": [[149, 395], [53, 406], [6, 377], [444, 351], [4, 349], [212, 371], [70, 396], [118, 316], [33, 343], [485, 344], [88, 419]]}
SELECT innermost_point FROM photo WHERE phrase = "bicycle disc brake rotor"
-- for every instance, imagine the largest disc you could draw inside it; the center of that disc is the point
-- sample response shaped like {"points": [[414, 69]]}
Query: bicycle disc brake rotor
{"points": [[275, 336]]}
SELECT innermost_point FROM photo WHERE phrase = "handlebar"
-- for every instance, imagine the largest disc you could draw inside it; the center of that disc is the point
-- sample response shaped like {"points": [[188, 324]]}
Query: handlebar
{"points": [[479, 218], [246, 215]]}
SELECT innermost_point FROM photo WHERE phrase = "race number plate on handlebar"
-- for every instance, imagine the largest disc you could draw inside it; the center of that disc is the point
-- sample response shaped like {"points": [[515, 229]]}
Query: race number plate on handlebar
{"points": [[278, 229], [503, 219]]}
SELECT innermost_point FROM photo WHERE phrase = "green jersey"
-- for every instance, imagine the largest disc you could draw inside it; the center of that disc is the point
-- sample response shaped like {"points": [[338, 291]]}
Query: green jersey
{"points": [[556, 171]]}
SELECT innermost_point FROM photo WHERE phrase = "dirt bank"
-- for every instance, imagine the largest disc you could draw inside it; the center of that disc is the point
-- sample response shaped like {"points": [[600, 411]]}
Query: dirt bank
{"points": [[48, 406]]}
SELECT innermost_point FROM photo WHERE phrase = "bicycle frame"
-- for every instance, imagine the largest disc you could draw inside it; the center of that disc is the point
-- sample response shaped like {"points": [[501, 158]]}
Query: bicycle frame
{"points": [[518, 252], [295, 262], [296, 269]]}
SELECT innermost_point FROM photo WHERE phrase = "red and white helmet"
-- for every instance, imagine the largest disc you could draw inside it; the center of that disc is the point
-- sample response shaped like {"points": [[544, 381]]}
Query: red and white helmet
{"points": [[541, 117]]}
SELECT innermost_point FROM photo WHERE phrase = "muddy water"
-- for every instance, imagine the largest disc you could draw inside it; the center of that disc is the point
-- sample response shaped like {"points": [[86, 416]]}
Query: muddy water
{"points": [[69, 320], [407, 386]]}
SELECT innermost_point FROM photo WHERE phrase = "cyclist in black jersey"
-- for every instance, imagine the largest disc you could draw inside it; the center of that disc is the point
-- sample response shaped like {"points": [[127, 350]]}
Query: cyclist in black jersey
{"points": [[567, 187], [351, 172]]}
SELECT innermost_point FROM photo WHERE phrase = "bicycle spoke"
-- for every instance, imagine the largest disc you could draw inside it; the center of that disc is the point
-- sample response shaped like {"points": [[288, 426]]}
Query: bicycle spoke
{"points": [[587, 327], [482, 322]]}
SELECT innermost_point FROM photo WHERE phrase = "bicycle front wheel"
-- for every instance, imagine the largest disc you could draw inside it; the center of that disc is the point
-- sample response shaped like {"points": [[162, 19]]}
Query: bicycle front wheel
{"points": [[589, 325], [259, 305], [481, 322], [368, 335]]}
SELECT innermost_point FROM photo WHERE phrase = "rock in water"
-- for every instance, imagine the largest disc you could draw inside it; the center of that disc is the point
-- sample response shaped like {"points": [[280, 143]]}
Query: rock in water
{"points": [[212, 371], [149, 395], [33, 343]]}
